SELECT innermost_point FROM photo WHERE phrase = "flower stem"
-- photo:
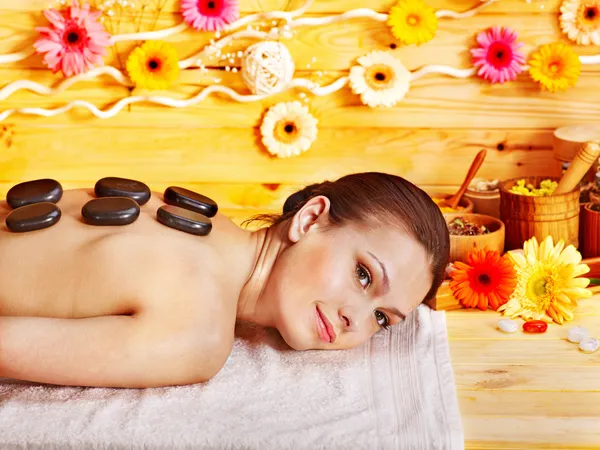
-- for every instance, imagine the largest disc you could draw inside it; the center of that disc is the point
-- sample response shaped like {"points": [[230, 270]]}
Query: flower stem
{"points": [[594, 281]]}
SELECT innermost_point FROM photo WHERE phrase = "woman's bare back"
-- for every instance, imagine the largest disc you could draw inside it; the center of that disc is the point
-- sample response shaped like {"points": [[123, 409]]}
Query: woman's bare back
{"points": [[133, 306]]}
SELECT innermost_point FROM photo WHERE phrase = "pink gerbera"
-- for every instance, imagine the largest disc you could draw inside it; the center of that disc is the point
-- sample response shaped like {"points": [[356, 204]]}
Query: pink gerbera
{"points": [[210, 15], [497, 56], [74, 42]]}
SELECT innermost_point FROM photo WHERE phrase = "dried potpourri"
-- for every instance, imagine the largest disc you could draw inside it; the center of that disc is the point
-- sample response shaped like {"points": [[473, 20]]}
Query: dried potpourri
{"points": [[459, 226]]}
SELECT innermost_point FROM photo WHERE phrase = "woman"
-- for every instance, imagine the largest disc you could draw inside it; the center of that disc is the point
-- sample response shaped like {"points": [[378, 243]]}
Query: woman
{"points": [[145, 305]]}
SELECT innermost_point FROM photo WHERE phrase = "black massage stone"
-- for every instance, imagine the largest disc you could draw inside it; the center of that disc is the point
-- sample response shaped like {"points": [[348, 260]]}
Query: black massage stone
{"points": [[184, 220], [184, 198], [107, 211], [36, 191], [33, 217], [122, 187]]}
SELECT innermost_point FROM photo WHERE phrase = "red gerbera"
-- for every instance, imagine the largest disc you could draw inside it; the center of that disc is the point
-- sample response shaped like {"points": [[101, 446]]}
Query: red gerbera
{"points": [[487, 279]]}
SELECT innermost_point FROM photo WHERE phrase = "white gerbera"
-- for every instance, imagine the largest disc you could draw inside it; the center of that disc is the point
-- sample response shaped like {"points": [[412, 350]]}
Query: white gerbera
{"points": [[288, 129], [580, 21], [379, 79]]}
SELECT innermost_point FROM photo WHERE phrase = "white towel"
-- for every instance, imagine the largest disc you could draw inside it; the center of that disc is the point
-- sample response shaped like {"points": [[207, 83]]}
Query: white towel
{"points": [[396, 392]]}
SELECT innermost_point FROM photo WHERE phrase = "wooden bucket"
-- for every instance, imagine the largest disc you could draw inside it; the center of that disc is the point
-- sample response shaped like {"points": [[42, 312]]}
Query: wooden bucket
{"points": [[527, 216]]}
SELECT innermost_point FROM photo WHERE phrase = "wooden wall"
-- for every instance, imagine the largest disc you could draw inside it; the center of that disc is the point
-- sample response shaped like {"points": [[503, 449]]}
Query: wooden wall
{"points": [[214, 147]]}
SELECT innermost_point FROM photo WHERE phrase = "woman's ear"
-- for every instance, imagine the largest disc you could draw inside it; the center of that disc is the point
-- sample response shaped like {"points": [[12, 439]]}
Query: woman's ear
{"points": [[313, 213]]}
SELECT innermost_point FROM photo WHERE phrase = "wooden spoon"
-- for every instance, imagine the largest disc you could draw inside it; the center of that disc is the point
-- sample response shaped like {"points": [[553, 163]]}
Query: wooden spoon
{"points": [[452, 202]]}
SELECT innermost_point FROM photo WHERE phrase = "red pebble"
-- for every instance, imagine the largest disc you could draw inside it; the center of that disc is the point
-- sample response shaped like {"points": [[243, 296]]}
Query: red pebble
{"points": [[535, 326]]}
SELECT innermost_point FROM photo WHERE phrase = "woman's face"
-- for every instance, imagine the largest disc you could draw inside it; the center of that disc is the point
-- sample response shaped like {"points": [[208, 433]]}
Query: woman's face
{"points": [[333, 288]]}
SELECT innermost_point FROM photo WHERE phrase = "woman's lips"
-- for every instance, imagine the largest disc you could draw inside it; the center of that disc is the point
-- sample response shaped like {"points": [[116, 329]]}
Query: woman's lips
{"points": [[324, 328]]}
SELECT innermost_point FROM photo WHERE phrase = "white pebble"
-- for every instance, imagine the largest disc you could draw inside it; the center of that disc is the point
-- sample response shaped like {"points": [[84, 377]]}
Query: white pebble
{"points": [[577, 334], [508, 325], [589, 345]]}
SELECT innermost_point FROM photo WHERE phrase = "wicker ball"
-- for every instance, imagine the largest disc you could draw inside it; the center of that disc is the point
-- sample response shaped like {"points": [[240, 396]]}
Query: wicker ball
{"points": [[267, 67]]}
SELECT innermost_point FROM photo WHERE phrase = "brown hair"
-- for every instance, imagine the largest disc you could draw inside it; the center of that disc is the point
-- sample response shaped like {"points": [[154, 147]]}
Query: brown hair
{"points": [[375, 196]]}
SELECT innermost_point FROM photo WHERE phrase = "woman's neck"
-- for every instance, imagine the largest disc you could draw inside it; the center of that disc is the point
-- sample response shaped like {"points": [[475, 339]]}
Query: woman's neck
{"points": [[266, 245]]}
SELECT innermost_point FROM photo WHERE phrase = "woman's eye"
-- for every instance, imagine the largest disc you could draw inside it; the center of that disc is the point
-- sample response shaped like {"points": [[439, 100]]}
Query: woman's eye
{"points": [[363, 275], [382, 319]]}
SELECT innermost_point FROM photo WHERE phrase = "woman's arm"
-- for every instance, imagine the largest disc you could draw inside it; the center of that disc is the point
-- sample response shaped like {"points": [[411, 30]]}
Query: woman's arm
{"points": [[109, 351]]}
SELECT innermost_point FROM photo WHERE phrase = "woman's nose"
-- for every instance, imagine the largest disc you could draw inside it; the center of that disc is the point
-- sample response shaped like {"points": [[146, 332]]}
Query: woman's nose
{"points": [[349, 318]]}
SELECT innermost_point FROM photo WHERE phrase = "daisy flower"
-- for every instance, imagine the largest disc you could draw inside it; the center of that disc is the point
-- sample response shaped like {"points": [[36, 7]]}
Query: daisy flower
{"points": [[580, 21], [75, 41], [548, 283], [379, 79], [288, 129], [153, 65], [555, 67], [209, 15], [413, 22], [497, 56], [487, 279]]}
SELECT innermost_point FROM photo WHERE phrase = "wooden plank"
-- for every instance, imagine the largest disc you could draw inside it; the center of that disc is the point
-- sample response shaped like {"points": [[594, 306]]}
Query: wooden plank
{"points": [[426, 157], [532, 432], [326, 47], [329, 6], [541, 352], [499, 403], [521, 378], [433, 102]]}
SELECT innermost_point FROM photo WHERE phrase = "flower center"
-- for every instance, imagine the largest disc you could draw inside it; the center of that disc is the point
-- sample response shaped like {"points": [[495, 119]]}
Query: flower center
{"points": [[485, 279], [591, 12], [554, 67], [588, 17], [154, 64], [500, 55], [413, 20], [210, 8], [74, 36], [379, 77], [286, 131], [539, 287]]}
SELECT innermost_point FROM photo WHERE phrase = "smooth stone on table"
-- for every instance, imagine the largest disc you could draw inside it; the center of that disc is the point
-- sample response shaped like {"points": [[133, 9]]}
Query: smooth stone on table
{"points": [[535, 326], [577, 334], [36, 191], [589, 345], [508, 325], [184, 220], [109, 211], [33, 217], [123, 187], [184, 198]]}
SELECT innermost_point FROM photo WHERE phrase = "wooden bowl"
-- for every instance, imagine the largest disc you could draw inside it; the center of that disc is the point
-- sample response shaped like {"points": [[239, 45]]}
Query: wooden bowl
{"points": [[460, 246], [464, 203]]}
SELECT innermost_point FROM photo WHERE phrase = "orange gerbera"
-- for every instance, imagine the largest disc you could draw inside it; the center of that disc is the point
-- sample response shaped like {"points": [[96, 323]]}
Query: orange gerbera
{"points": [[487, 279]]}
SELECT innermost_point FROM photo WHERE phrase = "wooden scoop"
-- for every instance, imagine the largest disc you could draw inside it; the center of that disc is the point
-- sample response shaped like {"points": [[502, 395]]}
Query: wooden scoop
{"points": [[452, 202], [584, 159]]}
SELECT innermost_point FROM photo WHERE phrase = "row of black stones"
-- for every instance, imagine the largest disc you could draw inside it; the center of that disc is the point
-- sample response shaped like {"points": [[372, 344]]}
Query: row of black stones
{"points": [[118, 203]]}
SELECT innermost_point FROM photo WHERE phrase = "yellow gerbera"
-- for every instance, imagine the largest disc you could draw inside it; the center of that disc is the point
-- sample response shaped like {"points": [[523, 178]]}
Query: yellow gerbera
{"points": [[153, 65], [555, 66], [547, 284], [413, 22]]}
